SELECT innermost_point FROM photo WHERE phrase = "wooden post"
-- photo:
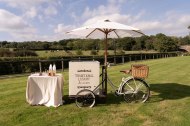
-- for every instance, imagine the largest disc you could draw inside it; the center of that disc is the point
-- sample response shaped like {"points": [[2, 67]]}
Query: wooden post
{"points": [[114, 60], [130, 58], [40, 66], [123, 60], [62, 64], [141, 56], [135, 57]]}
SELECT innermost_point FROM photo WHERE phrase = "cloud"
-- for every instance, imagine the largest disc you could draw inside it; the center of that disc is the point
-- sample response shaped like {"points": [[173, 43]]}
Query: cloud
{"points": [[50, 10], [31, 13], [11, 22], [112, 17], [111, 11], [171, 24], [19, 27], [14, 25], [61, 28], [60, 31], [112, 6], [32, 8], [23, 3]]}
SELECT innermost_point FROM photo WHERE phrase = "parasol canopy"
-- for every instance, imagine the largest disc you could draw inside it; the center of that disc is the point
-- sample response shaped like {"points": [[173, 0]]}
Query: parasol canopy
{"points": [[106, 29]]}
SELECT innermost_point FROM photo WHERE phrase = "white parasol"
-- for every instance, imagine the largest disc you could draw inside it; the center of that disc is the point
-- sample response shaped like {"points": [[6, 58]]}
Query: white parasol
{"points": [[106, 29]]}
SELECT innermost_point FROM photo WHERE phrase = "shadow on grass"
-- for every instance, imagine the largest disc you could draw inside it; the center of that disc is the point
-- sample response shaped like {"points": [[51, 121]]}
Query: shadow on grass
{"points": [[110, 99], [169, 91], [159, 92], [67, 100]]}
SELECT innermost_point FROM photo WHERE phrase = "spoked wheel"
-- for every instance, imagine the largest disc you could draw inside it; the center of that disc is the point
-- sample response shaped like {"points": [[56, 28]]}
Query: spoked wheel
{"points": [[85, 98], [136, 90]]}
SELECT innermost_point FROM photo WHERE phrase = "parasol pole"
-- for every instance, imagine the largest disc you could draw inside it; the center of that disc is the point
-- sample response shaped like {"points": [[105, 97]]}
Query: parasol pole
{"points": [[106, 51], [105, 60]]}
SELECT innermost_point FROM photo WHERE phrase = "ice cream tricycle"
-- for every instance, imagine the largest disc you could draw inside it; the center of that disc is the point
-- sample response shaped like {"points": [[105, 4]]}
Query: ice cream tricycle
{"points": [[87, 83]]}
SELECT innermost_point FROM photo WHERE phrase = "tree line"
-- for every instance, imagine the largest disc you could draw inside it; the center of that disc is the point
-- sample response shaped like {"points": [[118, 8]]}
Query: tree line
{"points": [[158, 42]]}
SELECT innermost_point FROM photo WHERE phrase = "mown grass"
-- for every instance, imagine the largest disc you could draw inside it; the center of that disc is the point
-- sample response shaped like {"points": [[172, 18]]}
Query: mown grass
{"points": [[169, 80]]}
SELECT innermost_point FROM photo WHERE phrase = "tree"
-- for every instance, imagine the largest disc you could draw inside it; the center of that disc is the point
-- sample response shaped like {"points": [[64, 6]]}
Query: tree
{"points": [[77, 44], [46, 46], [4, 43], [185, 40], [87, 44], [149, 43], [189, 29], [141, 41], [126, 43], [69, 45], [163, 43]]}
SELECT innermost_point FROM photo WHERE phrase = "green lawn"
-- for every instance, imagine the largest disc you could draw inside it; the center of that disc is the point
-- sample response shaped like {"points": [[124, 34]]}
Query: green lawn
{"points": [[169, 104]]}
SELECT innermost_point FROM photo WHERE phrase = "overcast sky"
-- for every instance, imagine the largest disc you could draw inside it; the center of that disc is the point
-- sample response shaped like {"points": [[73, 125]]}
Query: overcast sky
{"points": [[48, 20]]}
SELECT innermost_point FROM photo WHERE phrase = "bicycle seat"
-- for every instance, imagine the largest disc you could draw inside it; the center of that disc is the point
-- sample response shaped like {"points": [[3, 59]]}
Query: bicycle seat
{"points": [[126, 71]]}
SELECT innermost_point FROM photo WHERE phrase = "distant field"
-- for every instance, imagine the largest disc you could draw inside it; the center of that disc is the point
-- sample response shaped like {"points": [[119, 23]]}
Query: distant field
{"points": [[169, 104], [56, 53]]}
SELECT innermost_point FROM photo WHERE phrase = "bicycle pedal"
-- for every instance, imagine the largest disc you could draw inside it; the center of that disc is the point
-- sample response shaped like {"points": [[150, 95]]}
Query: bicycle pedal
{"points": [[116, 93]]}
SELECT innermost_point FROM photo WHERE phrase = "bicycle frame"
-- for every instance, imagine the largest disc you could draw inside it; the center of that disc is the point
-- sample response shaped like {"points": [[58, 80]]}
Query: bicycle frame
{"points": [[120, 87], [117, 89], [114, 87]]}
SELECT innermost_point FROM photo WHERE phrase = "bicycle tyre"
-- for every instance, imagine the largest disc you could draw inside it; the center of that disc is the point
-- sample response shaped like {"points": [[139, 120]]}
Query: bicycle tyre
{"points": [[85, 98], [136, 90]]}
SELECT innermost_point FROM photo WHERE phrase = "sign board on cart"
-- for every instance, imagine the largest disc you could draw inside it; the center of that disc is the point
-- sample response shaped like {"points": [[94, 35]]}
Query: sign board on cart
{"points": [[83, 75]]}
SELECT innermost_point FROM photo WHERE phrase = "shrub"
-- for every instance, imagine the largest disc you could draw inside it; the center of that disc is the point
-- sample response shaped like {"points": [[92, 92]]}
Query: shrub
{"points": [[6, 53], [25, 53], [16, 53], [79, 52], [121, 52], [93, 52]]}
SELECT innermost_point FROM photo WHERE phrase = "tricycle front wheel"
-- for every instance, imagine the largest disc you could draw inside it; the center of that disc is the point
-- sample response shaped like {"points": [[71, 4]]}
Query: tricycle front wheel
{"points": [[136, 90]]}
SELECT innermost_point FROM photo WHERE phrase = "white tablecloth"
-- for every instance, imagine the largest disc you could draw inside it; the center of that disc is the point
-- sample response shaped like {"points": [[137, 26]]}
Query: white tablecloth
{"points": [[44, 90]]}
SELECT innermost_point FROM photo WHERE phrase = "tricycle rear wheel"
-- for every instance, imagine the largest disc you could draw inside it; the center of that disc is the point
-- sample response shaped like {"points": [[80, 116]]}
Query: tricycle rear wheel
{"points": [[85, 98]]}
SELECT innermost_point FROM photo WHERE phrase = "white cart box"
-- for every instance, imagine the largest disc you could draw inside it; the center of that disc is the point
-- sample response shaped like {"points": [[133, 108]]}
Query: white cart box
{"points": [[83, 75]]}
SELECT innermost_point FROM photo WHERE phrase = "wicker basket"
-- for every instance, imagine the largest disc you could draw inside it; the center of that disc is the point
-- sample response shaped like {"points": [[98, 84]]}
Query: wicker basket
{"points": [[139, 71]]}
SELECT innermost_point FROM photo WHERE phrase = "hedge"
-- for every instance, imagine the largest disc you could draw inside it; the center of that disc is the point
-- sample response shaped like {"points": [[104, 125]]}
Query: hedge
{"points": [[31, 64]]}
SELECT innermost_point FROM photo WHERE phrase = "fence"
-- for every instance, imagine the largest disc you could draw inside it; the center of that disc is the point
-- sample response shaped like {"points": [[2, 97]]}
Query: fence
{"points": [[27, 66]]}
